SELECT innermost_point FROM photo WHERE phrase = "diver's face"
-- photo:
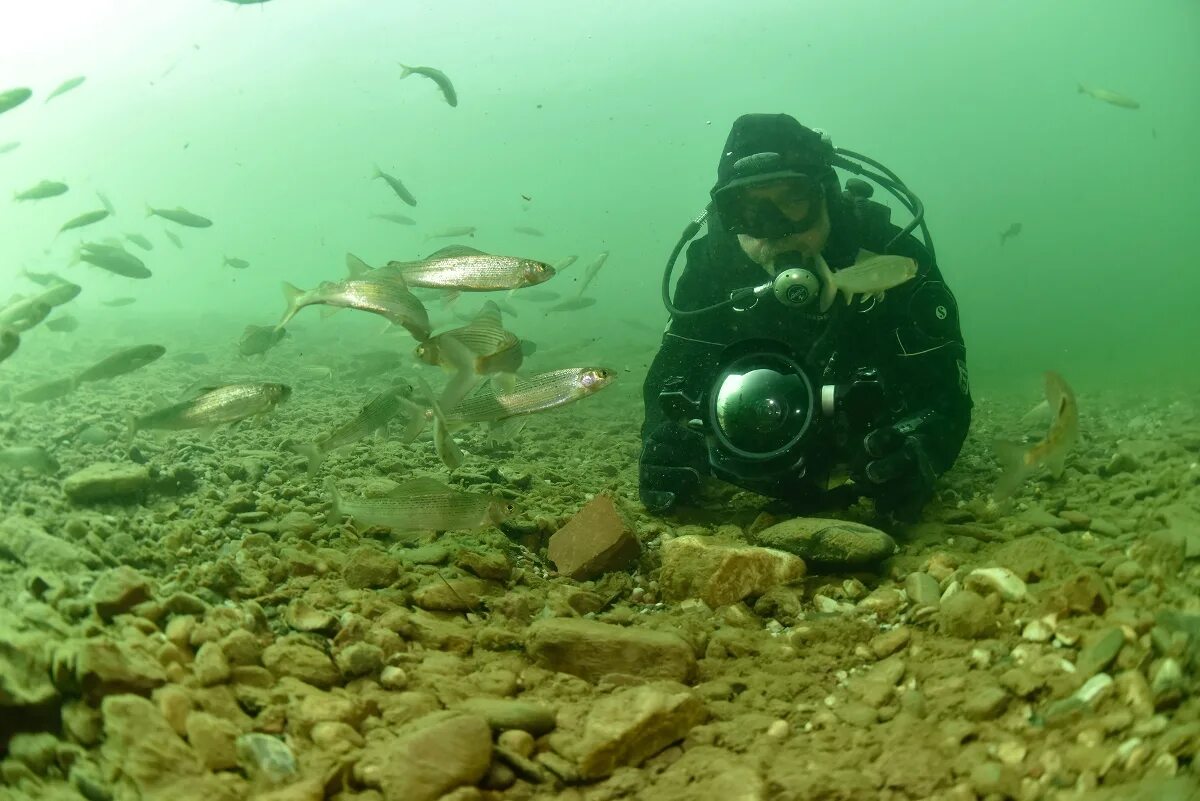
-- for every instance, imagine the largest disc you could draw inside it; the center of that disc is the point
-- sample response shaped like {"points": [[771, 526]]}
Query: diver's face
{"points": [[795, 206]]}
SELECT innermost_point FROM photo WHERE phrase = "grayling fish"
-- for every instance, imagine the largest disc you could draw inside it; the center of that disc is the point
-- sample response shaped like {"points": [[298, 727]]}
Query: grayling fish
{"points": [[388, 297], [141, 241], [870, 277], [572, 304], [452, 233], [117, 303], [482, 347], [1010, 232], [422, 504], [121, 362], [213, 407], [43, 190], [66, 86], [9, 342], [49, 390], [399, 219], [235, 263], [525, 229], [372, 417], [1112, 98], [23, 314], [13, 98], [28, 457], [180, 216], [63, 324], [43, 279], [114, 259], [84, 219], [9, 147], [397, 186], [438, 77], [592, 270], [258, 339], [460, 268], [175, 240]]}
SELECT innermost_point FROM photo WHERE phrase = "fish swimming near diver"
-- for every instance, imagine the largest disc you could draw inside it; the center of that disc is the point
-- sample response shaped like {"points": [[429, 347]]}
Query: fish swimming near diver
{"points": [[1010, 232], [458, 268], [871, 277], [482, 347], [438, 77], [387, 296], [114, 259], [1112, 98], [213, 407], [372, 417], [1018, 461], [419, 505]]}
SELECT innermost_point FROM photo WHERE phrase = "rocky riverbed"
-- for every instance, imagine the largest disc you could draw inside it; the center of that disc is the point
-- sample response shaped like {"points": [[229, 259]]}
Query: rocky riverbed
{"points": [[181, 621]]}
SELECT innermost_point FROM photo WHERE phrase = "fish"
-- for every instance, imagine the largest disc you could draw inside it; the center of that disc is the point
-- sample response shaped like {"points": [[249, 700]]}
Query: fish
{"points": [[1010, 232], [565, 263], [117, 303], [28, 457], [387, 296], [180, 216], [258, 339], [451, 233], [399, 219], [438, 77], [14, 97], [481, 348], [527, 396], [121, 362], [43, 190], [48, 390], [235, 263], [113, 259], [572, 304], [175, 240], [397, 186], [63, 324], [213, 407], [66, 86], [421, 504], [82, 220], [872, 276], [460, 268], [372, 417], [592, 270], [106, 203], [141, 241], [24, 315], [525, 229], [42, 279], [1017, 461], [10, 340], [9, 147], [1112, 98]]}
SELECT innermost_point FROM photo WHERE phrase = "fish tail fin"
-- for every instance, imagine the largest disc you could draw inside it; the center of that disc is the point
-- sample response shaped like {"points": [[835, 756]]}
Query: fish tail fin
{"points": [[405, 71], [312, 453], [378, 172], [335, 501], [1011, 456], [291, 296], [149, 210]]}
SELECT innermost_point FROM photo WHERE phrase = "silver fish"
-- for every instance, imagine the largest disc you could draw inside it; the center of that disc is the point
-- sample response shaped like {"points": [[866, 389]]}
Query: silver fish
{"points": [[43, 190], [372, 417], [84, 219], [65, 86], [1112, 98], [13, 98], [460, 268], [387, 297], [121, 362], [422, 504], [180, 216], [213, 407], [438, 77], [399, 219], [114, 259], [871, 277], [28, 457], [397, 186], [141, 241]]}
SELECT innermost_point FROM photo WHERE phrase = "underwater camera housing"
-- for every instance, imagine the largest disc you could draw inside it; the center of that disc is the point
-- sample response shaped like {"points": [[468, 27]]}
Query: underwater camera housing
{"points": [[762, 413]]}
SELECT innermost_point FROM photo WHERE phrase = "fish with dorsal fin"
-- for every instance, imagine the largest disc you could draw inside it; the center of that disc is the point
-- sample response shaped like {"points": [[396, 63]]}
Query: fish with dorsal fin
{"points": [[871, 277], [482, 347], [438, 77], [387, 296], [213, 407], [180, 216], [459, 268], [372, 417], [397, 186], [114, 259], [1018, 461], [422, 504], [42, 191], [122, 362]]}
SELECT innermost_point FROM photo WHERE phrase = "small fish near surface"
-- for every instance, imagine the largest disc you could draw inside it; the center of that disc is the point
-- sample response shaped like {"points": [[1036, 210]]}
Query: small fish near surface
{"points": [[397, 186], [258, 339], [121, 362], [28, 457], [235, 263], [66, 86], [1112, 98], [372, 417], [83, 220], [871, 277], [14, 97], [1010, 232], [459, 268], [9, 342], [212, 408], [114, 259], [438, 77], [1018, 461], [387, 296], [421, 505], [398, 219], [180, 216], [42, 191]]}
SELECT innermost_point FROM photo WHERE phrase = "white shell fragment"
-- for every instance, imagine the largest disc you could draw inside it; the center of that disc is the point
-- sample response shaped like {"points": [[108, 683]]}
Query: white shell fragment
{"points": [[999, 580]]}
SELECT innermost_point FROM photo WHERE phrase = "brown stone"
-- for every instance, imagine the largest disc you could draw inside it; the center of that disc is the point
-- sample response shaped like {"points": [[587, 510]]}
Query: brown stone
{"points": [[119, 590], [591, 650], [722, 573], [437, 754], [301, 661], [213, 739], [593, 542], [141, 747]]}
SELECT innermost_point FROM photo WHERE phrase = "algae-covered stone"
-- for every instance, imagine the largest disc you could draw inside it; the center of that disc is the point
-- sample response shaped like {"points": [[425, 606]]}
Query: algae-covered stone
{"points": [[436, 754], [590, 649], [721, 573], [829, 541], [107, 481], [119, 590]]}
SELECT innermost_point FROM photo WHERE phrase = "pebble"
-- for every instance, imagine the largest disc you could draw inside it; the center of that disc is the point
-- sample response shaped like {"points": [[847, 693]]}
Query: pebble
{"points": [[142, 746], [987, 703], [1040, 630], [360, 659], [966, 614], [214, 739], [1099, 653], [590, 649], [518, 741], [211, 666], [368, 568], [722, 573], [303, 616], [450, 595], [119, 590], [106, 481], [778, 729], [502, 714], [1007, 584], [922, 590], [596, 540], [1166, 683], [828, 541], [300, 661], [889, 642], [266, 757], [437, 754], [393, 678]]}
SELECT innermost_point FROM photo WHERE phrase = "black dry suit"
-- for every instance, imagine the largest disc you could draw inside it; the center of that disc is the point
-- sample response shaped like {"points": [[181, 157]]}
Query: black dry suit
{"points": [[909, 343]]}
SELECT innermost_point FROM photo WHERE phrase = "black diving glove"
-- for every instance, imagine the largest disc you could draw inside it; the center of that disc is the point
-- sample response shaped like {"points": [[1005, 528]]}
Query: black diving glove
{"points": [[898, 472], [673, 460]]}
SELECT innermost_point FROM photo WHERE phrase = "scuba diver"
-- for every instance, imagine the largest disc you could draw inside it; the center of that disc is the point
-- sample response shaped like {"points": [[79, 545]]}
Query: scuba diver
{"points": [[763, 383]]}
